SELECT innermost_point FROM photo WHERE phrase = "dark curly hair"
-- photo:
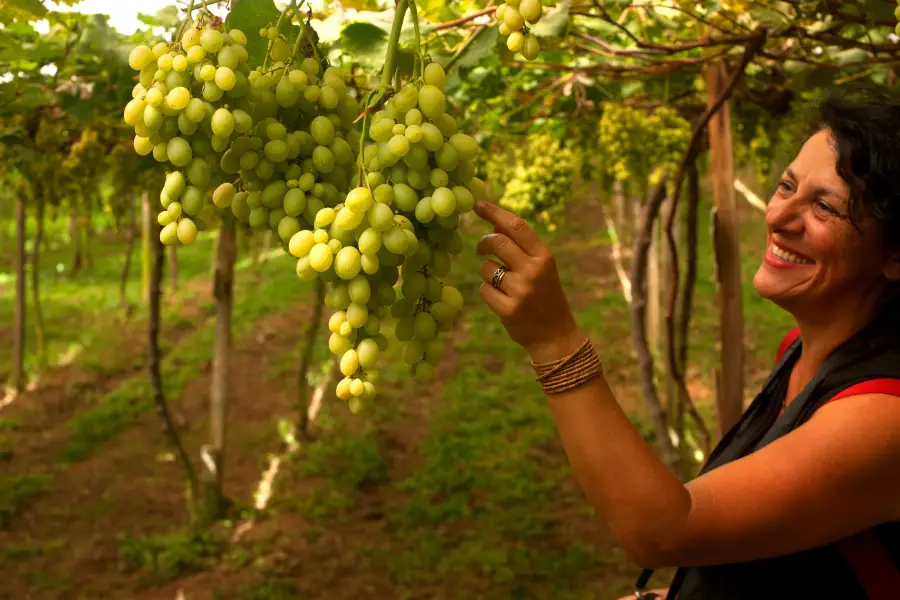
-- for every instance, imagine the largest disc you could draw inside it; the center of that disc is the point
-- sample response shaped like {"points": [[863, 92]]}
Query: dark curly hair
{"points": [[865, 123]]}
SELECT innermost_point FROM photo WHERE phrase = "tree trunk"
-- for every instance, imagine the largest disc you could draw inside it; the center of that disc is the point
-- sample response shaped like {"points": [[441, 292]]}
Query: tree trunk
{"points": [[18, 373], [162, 407], [214, 458], [87, 255], [730, 401], [642, 240], [687, 297], [312, 332], [654, 288], [622, 218], [129, 250], [147, 230], [173, 269], [39, 353], [267, 245], [75, 238]]}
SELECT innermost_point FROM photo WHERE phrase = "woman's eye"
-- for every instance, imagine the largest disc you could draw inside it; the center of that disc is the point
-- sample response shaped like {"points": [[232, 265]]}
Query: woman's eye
{"points": [[826, 207], [785, 186]]}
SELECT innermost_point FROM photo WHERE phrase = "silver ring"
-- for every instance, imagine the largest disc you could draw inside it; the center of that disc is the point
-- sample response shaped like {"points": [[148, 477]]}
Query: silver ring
{"points": [[497, 279]]}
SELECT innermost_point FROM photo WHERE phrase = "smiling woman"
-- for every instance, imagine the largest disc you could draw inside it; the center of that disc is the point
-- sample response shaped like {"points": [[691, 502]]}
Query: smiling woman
{"points": [[801, 498]]}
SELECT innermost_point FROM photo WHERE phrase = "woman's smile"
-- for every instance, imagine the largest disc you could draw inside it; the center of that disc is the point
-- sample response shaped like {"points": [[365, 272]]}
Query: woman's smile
{"points": [[782, 257]]}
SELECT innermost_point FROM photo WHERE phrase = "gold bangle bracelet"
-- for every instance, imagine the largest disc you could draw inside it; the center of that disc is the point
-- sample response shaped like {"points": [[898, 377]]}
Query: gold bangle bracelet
{"points": [[569, 372]]}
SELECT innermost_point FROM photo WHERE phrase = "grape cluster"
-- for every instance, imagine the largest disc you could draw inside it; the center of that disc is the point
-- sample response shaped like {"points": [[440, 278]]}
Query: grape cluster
{"points": [[897, 15], [542, 180], [272, 145], [639, 145], [175, 119], [400, 221], [513, 16]]}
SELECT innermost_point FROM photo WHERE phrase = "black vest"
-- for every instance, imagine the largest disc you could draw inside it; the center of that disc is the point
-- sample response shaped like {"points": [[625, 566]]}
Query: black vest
{"points": [[874, 353]]}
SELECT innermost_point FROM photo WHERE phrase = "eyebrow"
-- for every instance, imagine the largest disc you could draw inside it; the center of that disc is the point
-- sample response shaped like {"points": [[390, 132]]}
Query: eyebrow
{"points": [[824, 191]]}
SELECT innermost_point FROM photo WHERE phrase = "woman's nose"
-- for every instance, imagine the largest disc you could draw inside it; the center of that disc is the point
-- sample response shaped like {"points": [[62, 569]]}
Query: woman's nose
{"points": [[784, 213]]}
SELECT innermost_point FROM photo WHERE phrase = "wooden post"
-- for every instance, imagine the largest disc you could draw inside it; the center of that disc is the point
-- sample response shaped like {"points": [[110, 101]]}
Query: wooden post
{"points": [[730, 397], [214, 459], [146, 245], [18, 374]]}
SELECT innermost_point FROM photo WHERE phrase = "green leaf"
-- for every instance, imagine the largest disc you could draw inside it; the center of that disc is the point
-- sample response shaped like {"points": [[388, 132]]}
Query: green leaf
{"points": [[554, 22], [364, 43], [767, 16], [850, 56], [25, 10], [250, 16], [480, 48]]}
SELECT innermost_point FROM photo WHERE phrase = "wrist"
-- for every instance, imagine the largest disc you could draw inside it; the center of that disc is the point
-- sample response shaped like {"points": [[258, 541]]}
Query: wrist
{"points": [[559, 347]]}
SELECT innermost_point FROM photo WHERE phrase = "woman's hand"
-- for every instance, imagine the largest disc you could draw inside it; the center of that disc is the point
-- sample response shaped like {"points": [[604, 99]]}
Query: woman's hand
{"points": [[531, 303]]}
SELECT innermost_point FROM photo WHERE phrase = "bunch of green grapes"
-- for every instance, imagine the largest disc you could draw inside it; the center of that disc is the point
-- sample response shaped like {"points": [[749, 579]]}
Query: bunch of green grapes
{"points": [[897, 15], [671, 134], [513, 16], [542, 180], [622, 135], [640, 146], [401, 221], [175, 117], [495, 169], [273, 146]]}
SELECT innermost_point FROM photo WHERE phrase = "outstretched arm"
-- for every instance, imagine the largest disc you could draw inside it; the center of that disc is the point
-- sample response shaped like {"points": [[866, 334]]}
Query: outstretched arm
{"points": [[823, 482]]}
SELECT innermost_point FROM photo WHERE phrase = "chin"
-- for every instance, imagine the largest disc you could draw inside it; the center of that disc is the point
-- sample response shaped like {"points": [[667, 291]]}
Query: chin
{"points": [[768, 287]]}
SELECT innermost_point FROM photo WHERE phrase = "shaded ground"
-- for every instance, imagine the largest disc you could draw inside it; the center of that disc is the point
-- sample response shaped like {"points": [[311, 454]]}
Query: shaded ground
{"points": [[458, 489]]}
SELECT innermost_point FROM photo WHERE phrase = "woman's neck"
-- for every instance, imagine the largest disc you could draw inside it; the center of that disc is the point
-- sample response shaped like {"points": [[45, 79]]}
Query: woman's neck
{"points": [[822, 334]]}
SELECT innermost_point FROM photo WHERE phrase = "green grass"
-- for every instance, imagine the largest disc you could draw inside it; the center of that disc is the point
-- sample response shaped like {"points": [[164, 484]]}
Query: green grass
{"points": [[77, 308], [166, 557], [278, 289], [272, 588], [16, 492]]}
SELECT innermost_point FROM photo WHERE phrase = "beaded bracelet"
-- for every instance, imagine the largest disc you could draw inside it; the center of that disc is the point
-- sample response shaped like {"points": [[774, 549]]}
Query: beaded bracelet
{"points": [[564, 374]]}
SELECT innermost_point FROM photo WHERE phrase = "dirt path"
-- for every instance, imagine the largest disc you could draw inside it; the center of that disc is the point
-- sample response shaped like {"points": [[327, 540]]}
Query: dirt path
{"points": [[133, 488]]}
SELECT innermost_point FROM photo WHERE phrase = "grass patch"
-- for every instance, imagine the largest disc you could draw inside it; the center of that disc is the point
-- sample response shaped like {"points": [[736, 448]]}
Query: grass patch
{"points": [[166, 557], [272, 588], [336, 469], [16, 491], [277, 290], [77, 309]]}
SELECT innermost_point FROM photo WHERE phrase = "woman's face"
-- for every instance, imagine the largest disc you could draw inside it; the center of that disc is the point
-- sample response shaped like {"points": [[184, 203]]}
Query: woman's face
{"points": [[815, 259]]}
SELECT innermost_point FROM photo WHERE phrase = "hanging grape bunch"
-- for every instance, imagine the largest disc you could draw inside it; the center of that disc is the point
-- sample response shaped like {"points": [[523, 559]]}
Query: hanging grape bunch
{"points": [[897, 15], [272, 144], [513, 16], [542, 180], [401, 220]]}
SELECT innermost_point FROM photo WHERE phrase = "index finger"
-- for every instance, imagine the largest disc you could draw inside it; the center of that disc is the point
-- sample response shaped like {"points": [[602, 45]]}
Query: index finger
{"points": [[513, 226]]}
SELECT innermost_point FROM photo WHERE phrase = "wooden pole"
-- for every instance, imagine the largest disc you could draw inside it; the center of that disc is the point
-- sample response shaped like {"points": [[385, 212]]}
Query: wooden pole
{"points": [[730, 399]]}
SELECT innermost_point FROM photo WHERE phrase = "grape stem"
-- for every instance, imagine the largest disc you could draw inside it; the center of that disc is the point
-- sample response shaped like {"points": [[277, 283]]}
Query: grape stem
{"points": [[286, 10], [417, 55], [462, 48], [184, 23], [308, 37], [390, 59]]}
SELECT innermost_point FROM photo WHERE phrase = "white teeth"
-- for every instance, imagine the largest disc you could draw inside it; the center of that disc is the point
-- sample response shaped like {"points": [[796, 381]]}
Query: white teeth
{"points": [[789, 256]]}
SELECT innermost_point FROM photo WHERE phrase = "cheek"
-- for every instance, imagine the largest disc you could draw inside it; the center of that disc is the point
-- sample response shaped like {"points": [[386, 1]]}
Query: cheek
{"points": [[845, 254]]}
